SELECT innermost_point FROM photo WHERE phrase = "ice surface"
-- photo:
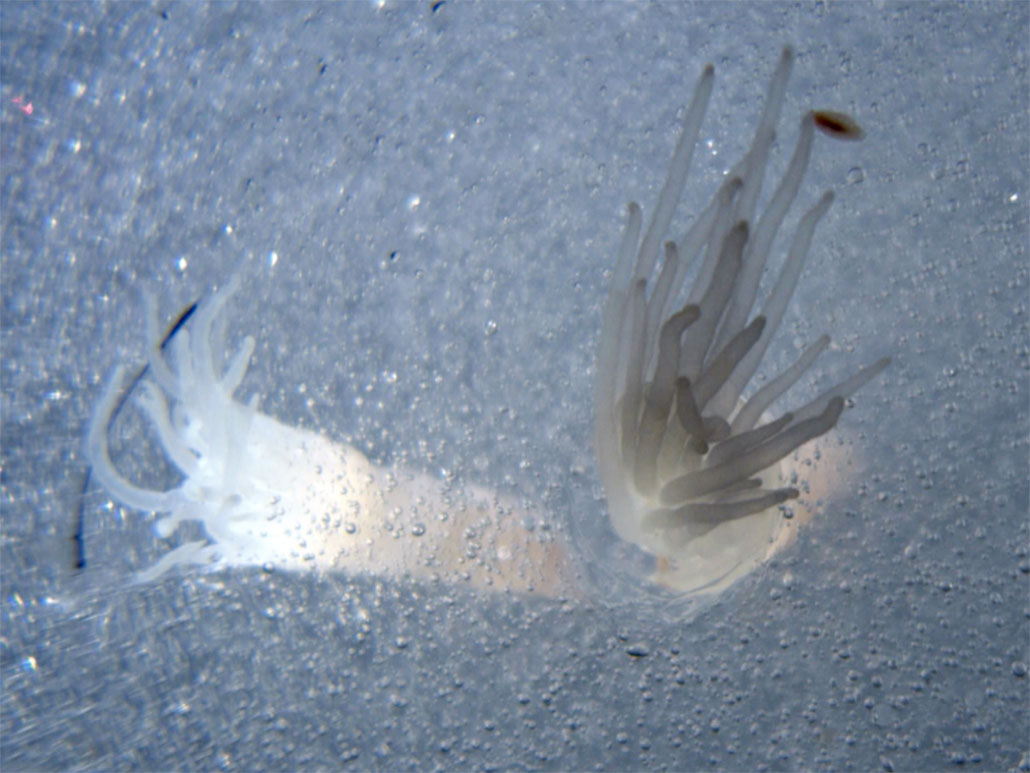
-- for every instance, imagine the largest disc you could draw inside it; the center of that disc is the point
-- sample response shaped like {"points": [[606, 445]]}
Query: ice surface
{"points": [[430, 197]]}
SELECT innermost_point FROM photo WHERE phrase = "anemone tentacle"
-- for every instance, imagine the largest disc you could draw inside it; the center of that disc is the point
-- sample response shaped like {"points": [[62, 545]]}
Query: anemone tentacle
{"points": [[678, 448]]}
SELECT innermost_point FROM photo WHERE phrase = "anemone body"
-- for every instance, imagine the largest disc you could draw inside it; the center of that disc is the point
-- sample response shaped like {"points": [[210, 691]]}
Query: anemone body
{"points": [[275, 496], [267, 494], [690, 468]]}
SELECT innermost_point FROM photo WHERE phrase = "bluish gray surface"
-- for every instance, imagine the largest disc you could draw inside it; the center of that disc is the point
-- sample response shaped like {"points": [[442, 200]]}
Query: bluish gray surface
{"points": [[442, 192]]}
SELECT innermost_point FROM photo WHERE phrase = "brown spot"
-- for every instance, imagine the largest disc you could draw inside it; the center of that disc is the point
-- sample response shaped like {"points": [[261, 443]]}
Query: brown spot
{"points": [[838, 125]]}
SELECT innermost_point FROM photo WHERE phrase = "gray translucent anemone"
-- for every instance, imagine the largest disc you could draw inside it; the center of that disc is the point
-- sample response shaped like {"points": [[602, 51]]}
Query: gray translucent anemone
{"points": [[688, 466]]}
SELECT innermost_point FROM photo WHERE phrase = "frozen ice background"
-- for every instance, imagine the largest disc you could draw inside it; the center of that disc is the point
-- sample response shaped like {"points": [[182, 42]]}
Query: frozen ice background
{"points": [[424, 201]]}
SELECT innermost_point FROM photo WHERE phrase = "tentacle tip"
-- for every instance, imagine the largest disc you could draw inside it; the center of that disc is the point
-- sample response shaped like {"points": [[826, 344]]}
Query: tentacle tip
{"points": [[834, 408]]}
